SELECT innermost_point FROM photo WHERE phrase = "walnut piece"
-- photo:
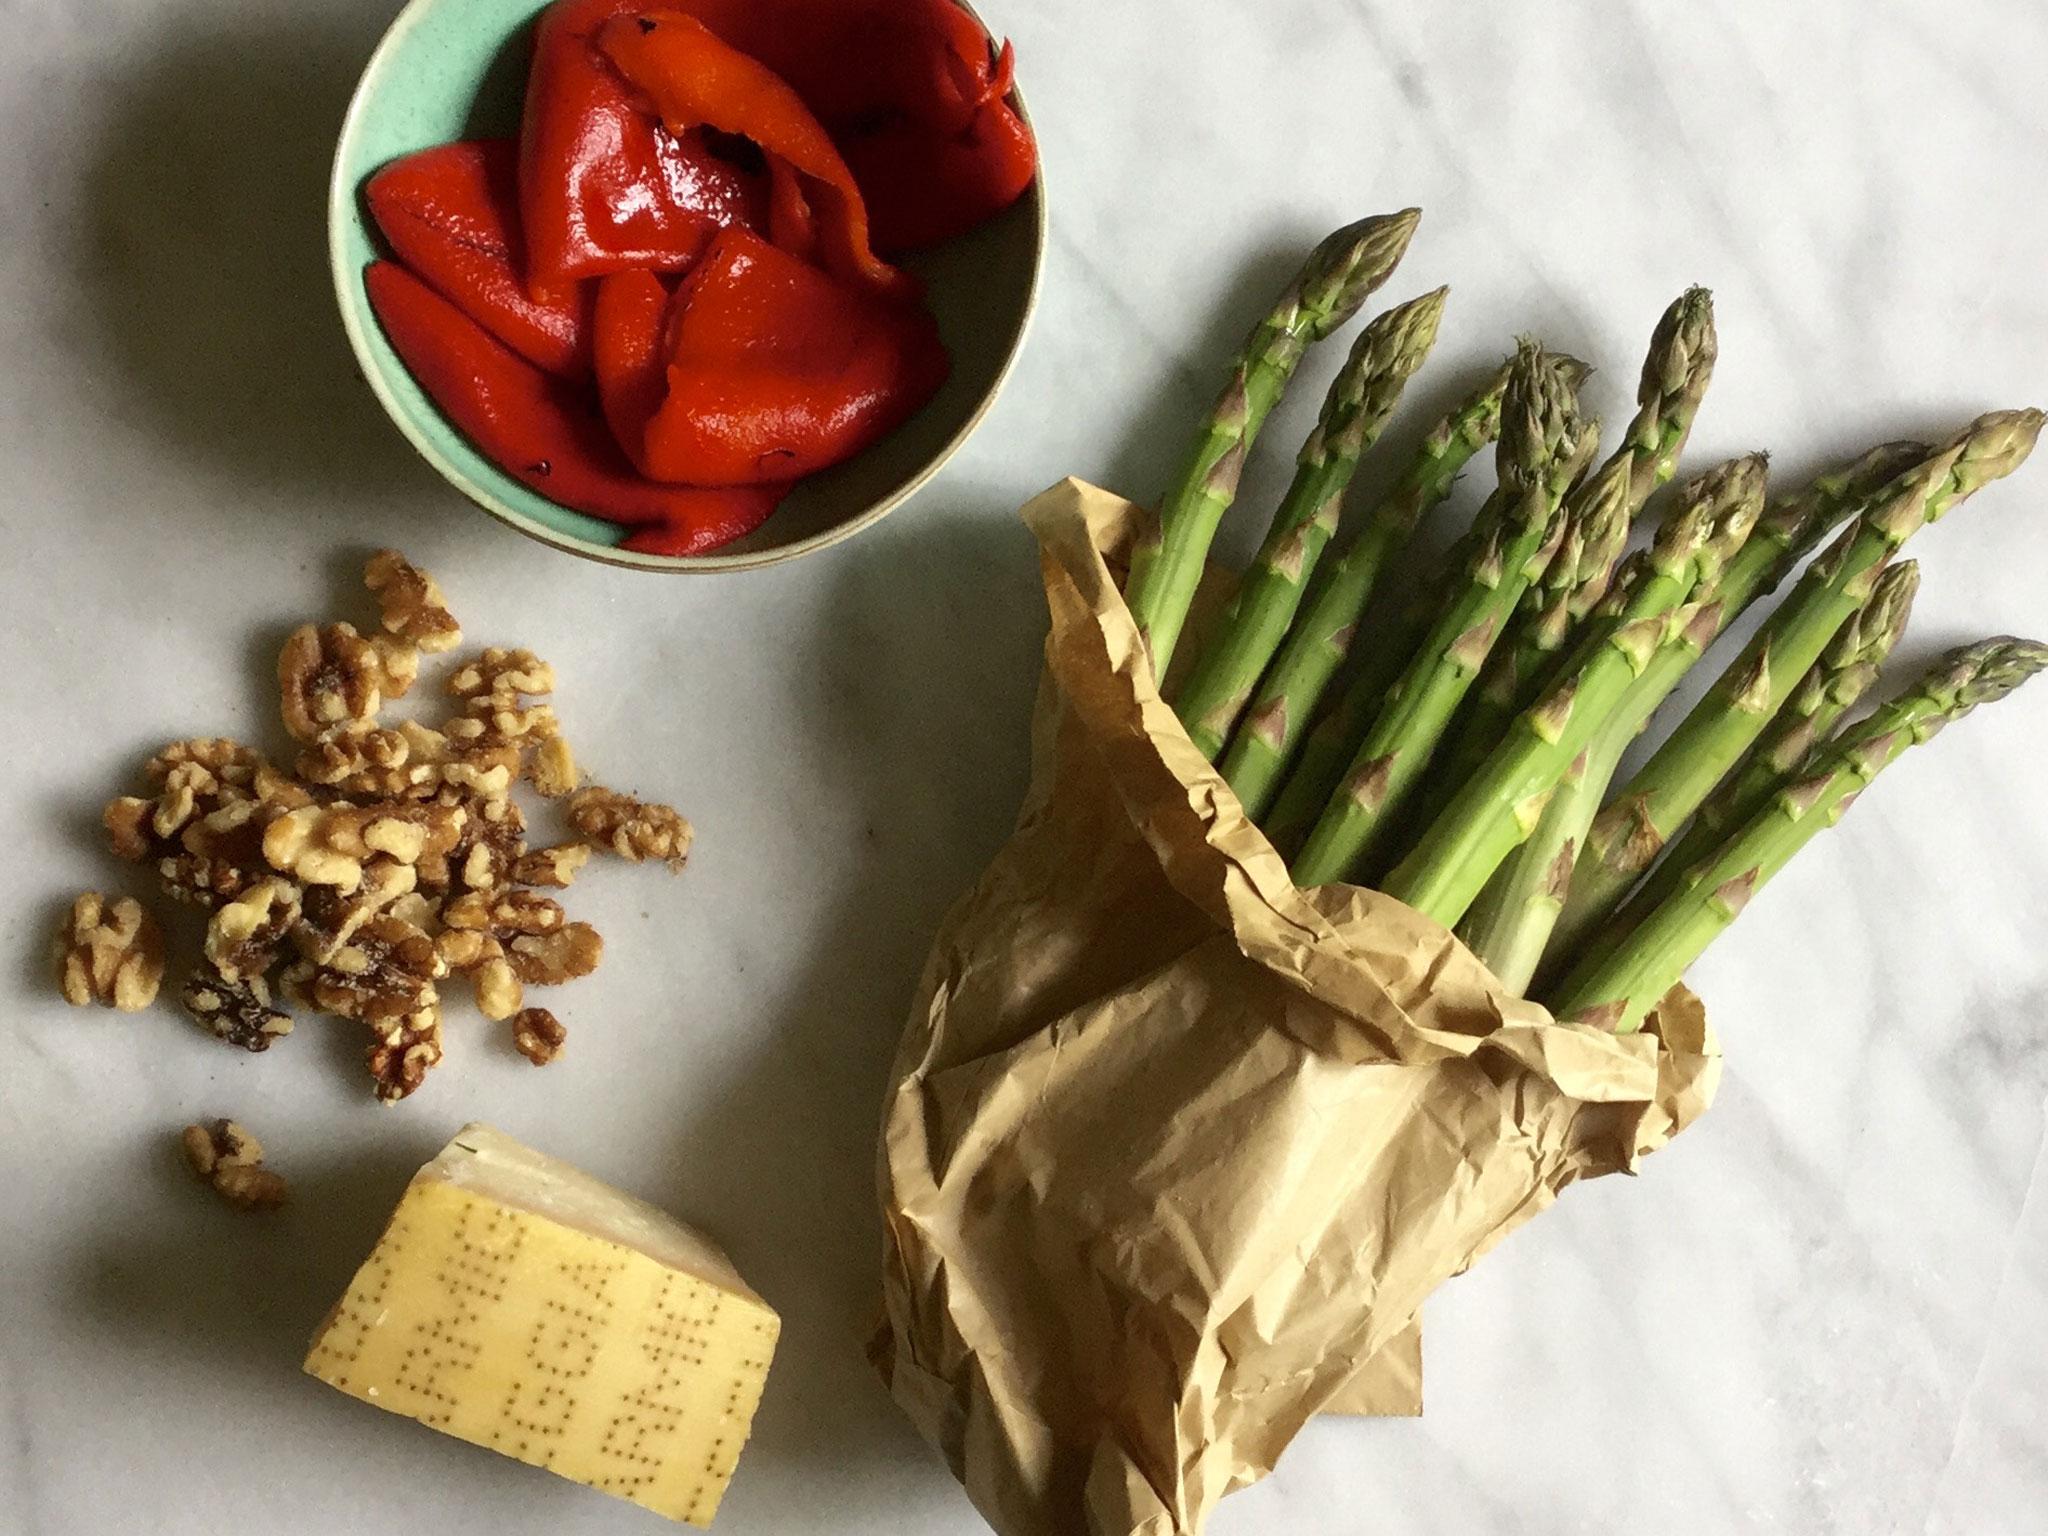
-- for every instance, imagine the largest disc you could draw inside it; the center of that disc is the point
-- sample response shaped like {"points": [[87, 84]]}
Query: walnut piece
{"points": [[504, 913], [632, 829], [549, 959], [237, 1011], [413, 606], [386, 971], [464, 949], [553, 769], [327, 675], [330, 844], [218, 856], [228, 1158], [127, 820], [499, 992], [353, 753], [492, 841], [191, 791], [228, 761], [398, 665], [501, 675], [404, 1051], [333, 917], [538, 1035], [556, 867], [110, 952], [243, 936]]}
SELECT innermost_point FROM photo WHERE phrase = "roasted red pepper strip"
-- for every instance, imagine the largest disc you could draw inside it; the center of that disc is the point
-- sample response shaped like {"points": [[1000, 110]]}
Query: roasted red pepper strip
{"points": [[539, 429], [719, 517], [910, 95], [773, 368], [603, 186], [452, 215], [924, 189], [631, 333], [692, 78]]}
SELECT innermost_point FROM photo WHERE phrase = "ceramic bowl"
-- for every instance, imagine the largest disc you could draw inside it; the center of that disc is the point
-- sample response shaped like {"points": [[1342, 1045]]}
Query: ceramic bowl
{"points": [[455, 69]]}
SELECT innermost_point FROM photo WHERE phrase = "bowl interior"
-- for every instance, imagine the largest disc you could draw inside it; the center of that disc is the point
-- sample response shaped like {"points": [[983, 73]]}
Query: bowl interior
{"points": [[453, 69]]}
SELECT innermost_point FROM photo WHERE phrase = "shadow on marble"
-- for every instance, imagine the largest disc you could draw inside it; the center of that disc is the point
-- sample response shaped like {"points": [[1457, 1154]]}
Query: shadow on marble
{"points": [[200, 251], [926, 661], [189, 1280], [1162, 423]]}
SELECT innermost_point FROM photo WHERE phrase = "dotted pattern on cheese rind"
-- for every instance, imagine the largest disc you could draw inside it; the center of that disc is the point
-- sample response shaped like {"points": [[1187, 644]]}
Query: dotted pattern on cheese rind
{"points": [[553, 1346]]}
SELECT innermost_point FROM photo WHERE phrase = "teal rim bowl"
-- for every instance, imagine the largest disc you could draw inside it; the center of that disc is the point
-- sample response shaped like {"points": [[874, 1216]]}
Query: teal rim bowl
{"points": [[456, 69]]}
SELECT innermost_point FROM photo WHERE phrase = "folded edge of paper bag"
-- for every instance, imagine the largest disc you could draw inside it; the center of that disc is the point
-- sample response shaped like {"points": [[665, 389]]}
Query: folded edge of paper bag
{"points": [[1389, 1384]]}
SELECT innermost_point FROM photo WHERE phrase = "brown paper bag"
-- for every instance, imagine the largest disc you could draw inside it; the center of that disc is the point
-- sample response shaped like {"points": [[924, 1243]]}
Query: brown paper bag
{"points": [[1173, 1150]]}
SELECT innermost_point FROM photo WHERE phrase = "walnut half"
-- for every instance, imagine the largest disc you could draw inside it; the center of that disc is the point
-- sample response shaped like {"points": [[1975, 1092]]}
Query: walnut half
{"points": [[228, 1158], [110, 952], [538, 1035], [414, 608], [632, 829], [327, 675]]}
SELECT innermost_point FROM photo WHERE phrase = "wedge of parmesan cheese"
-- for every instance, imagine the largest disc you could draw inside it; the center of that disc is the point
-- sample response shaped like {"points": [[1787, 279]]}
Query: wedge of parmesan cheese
{"points": [[519, 1304]]}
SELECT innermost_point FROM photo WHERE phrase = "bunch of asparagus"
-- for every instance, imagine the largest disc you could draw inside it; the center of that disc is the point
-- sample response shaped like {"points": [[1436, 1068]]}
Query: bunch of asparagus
{"points": [[1456, 742]]}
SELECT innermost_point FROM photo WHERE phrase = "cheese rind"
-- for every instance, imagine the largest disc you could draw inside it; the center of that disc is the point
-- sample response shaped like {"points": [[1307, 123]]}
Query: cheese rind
{"points": [[520, 1304]]}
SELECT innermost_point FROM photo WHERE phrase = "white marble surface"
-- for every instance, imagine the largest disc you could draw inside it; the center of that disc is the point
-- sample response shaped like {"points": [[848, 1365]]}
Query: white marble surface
{"points": [[1821, 1312]]}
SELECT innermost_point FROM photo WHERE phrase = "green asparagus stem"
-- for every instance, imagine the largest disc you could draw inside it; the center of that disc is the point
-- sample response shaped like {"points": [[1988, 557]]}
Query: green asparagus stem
{"points": [[1676, 372], [1337, 278], [1509, 924], [1845, 672], [1367, 388], [1618, 991], [1330, 743], [1544, 445], [1627, 835], [1270, 737], [1790, 529], [1504, 802]]}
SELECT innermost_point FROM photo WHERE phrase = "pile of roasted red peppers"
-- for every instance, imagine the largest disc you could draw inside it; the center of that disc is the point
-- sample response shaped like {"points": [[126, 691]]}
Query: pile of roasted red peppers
{"points": [[674, 295]]}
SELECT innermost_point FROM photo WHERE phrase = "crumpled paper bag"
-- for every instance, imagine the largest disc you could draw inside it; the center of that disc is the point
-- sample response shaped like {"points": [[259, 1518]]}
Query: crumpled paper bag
{"points": [[1173, 1150]]}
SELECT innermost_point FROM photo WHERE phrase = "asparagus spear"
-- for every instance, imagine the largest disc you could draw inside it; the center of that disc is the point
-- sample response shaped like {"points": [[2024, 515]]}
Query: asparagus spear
{"points": [[1627, 835], [1597, 519], [1789, 530], [1675, 375], [1617, 991], [1846, 671], [1388, 352], [1676, 372], [1271, 735], [1503, 803], [1544, 445], [1336, 279]]}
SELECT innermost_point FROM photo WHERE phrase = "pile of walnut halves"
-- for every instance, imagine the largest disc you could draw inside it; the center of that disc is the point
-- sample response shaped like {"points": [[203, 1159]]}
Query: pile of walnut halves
{"points": [[389, 857]]}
